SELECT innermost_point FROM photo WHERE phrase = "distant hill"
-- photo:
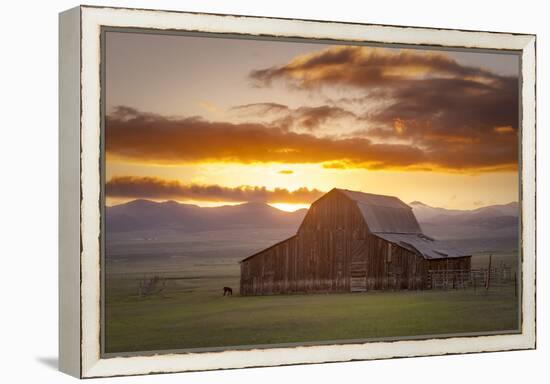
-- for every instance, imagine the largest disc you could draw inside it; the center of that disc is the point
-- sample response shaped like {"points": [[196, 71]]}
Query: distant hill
{"points": [[484, 229], [139, 215], [489, 227], [495, 221]]}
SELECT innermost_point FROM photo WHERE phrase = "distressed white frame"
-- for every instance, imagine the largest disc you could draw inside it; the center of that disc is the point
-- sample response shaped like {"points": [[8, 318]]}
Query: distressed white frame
{"points": [[91, 363]]}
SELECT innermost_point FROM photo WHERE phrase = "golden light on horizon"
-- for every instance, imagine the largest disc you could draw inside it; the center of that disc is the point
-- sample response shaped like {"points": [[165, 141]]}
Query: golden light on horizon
{"points": [[289, 207], [437, 189], [112, 201]]}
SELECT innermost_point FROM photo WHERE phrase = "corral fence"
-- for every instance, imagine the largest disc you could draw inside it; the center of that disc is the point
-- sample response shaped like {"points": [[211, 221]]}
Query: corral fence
{"points": [[145, 284], [482, 278]]}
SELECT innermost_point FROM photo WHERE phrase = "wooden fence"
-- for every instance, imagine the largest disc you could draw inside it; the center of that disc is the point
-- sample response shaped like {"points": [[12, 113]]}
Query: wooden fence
{"points": [[474, 278]]}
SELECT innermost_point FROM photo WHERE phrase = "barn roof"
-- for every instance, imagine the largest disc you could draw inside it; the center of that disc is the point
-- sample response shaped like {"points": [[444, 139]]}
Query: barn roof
{"points": [[384, 214], [372, 199], [423, 245], [390, 219], [265, 249]]}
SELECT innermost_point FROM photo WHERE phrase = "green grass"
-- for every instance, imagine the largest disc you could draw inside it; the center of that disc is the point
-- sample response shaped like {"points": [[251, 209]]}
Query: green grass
{"points": [[192, 313]]}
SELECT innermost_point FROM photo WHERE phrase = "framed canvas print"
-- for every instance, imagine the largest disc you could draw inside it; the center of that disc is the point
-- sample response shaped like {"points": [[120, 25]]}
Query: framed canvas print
{"points": [[246, 191]]}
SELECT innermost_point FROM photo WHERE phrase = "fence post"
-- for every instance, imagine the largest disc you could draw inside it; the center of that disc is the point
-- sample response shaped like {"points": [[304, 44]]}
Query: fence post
{"points": [[488, 282]]}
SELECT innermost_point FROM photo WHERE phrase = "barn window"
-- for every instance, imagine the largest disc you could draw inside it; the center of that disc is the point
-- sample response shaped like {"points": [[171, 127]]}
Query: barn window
{"points": [[388, 258]]}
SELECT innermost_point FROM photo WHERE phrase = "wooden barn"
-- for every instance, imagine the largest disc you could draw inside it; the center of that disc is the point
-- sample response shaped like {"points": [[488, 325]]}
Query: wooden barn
{"points": [[351, 242]]}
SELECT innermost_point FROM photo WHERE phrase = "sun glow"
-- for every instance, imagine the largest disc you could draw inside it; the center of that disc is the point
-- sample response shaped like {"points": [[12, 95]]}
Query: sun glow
{"points": [[288, 207], [210, 204]]}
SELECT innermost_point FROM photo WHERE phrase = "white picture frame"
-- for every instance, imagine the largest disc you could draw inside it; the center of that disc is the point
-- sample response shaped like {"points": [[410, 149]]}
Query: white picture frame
{"points": [[80, 287]]}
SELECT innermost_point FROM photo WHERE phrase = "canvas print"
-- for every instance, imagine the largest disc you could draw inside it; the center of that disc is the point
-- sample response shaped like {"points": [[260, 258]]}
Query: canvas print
{"points": [[263, 193]]}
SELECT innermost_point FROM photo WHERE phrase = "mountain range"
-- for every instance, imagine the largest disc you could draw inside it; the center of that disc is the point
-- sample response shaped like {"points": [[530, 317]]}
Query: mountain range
{"points": [[139, 215], [495, 221]]}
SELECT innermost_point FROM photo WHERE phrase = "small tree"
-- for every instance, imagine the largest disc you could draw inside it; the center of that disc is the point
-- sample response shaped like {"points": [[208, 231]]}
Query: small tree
{"points": [[151, 286]]}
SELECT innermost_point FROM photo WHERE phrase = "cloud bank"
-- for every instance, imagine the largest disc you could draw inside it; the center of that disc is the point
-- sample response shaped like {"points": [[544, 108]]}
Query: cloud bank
{"points": [[150, 138], [140, 137], [157, 188]]}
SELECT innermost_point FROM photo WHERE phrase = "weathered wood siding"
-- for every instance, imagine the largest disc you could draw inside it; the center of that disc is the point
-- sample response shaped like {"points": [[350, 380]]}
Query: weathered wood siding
{"points": [[333, 251], [317, 259], [390, 266]]}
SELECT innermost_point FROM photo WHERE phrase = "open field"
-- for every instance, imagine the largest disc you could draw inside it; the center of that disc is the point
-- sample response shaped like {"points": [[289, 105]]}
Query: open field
{"points": [[192, 313], [188, 318]]}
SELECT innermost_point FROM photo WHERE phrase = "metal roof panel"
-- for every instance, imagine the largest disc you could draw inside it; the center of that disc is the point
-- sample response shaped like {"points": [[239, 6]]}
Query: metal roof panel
{"points": [[423, 245]]}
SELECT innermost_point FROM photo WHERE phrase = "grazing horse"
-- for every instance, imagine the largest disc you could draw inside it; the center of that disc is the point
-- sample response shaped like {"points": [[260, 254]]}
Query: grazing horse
{"points": [[227, 290]]}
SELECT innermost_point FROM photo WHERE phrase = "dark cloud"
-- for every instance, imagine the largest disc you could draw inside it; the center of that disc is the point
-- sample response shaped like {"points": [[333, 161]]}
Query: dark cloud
{"points": [[309, 118], [157, 188], [148, 138], [313, 117], [260, 108], [456, 118], [364, 67], [462, 117]]}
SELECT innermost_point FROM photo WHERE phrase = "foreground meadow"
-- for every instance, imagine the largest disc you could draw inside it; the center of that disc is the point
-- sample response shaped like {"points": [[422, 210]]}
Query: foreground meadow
{"points": [[190, 312]]}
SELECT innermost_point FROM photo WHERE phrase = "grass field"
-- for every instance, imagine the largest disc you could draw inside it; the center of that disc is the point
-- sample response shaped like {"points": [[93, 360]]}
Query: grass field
{"points": [[192, 313]]}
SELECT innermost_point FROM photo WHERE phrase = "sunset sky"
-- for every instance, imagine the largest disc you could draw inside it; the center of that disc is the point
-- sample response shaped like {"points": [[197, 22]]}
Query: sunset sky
{"points": [[215, 121]]}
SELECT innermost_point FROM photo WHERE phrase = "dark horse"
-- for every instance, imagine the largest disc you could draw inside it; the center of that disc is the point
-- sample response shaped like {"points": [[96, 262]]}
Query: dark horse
{"points": [[227, 290]]}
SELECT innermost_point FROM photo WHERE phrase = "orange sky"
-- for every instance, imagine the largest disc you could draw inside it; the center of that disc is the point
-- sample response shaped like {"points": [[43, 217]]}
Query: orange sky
{"points": [[215, 121]]}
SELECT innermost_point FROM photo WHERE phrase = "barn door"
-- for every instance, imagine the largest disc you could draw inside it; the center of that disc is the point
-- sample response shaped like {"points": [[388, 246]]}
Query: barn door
{"points": [[358, 270]]}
